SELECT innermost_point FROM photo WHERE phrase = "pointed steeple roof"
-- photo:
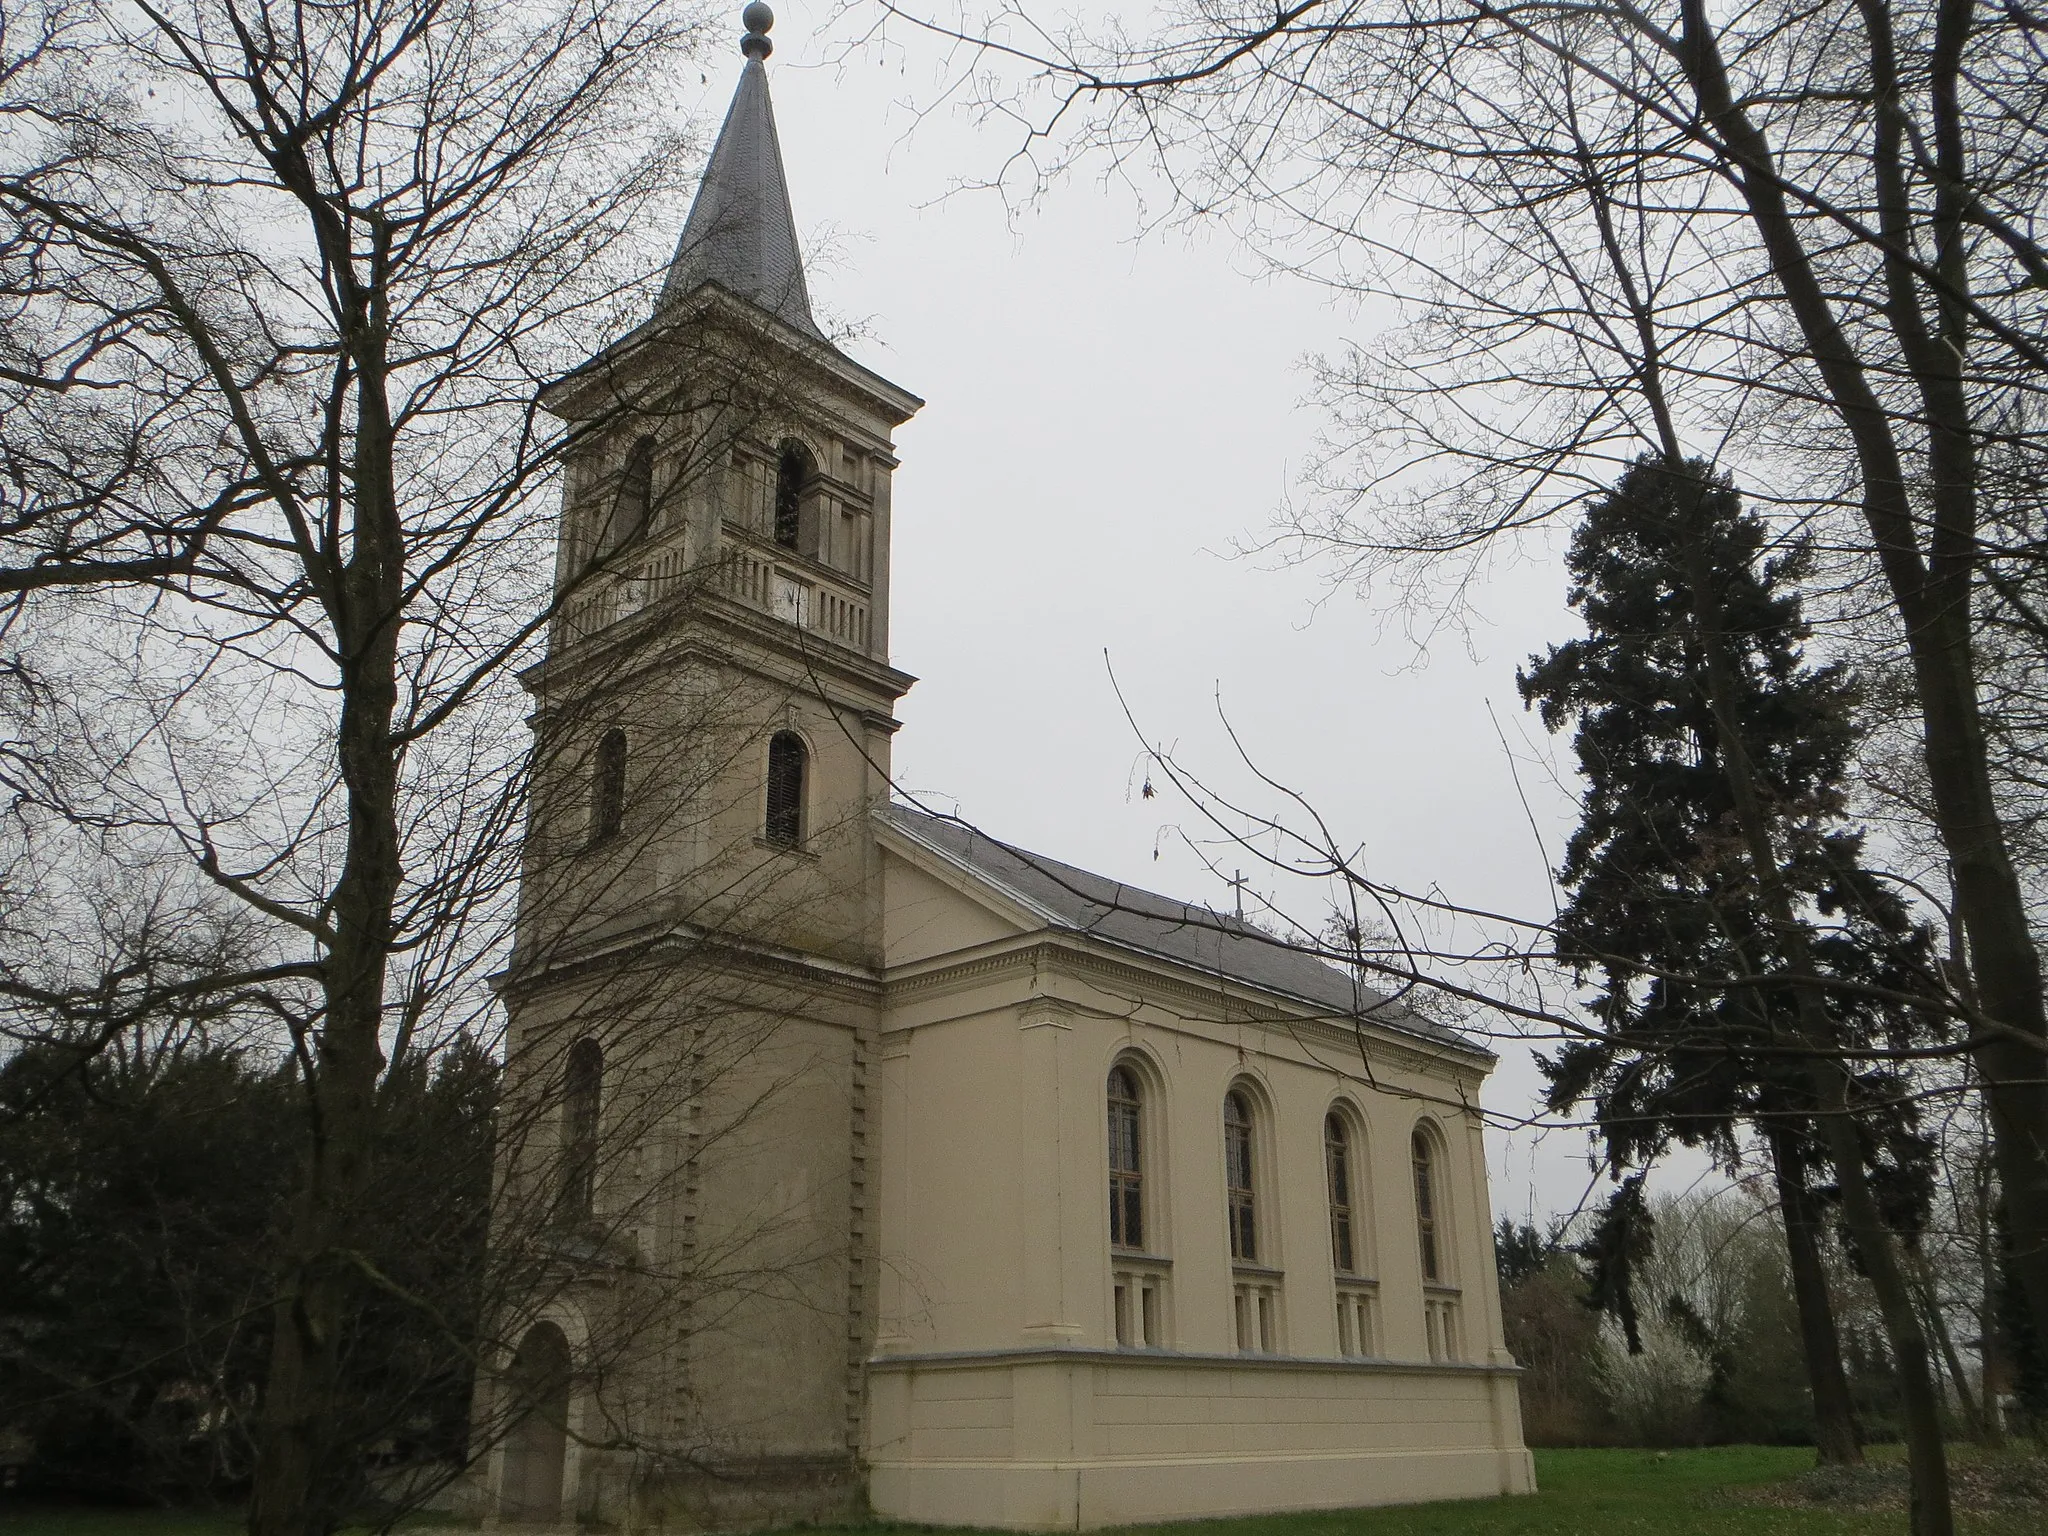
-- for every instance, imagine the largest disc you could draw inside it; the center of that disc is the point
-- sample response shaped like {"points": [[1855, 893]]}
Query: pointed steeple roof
{"points": [[741, 234]]}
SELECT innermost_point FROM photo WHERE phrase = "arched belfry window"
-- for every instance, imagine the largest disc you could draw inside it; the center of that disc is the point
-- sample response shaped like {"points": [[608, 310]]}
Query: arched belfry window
{"points": [[1343, 1215], [1240, 1193], [636, 492], [788, 766], [582, 1095], [632, 501], [1126, 1161], [608, 786], [1428, 1231], [793, 474]]}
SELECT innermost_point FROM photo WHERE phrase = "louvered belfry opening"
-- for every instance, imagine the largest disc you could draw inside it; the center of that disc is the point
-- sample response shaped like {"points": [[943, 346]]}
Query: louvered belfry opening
{"points": [[788, 759], [636, 493], [582, 1095], [608, 787], [792, 477]]}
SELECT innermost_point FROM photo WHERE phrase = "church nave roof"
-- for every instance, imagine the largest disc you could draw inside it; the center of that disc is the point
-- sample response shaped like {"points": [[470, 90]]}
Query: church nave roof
{"points": [[1080, 901]]}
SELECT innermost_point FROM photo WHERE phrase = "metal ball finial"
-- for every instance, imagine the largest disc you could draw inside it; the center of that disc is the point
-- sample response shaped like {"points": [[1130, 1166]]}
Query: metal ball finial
{"points": [[757, 19]]}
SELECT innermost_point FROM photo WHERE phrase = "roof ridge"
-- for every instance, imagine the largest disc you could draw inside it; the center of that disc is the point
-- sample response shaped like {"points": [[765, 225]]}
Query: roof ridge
{"points": [[1184, 933], [1230, 925], [1037, 909]]}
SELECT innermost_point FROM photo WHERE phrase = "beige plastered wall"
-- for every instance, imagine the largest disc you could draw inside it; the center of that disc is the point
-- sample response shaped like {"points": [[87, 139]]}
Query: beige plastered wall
{"points": [[998, 1394]]}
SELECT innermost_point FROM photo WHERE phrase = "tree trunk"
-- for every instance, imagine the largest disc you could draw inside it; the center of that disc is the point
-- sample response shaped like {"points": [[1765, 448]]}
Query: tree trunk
{"points": [[1937, 1324], [1990, 1339], [1932, 597], [297, 1489], [1834, 1417], [1930, 1508]]}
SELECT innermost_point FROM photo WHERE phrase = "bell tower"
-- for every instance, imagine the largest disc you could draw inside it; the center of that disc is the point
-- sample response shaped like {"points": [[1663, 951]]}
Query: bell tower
{"points": [[725, 540], [695, 989]]}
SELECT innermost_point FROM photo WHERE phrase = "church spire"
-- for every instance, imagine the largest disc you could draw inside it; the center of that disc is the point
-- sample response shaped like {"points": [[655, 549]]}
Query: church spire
{"points": [[741, 234]]}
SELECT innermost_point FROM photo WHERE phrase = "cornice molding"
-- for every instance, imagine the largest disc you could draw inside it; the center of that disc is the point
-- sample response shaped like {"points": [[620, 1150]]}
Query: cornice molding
{"points": [[1092, 1354], [1226, 1004], [520, 982], [709, 304]]}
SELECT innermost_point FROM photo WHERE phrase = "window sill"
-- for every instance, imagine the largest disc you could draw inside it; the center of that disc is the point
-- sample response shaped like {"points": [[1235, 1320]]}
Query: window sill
{"points": [[1133, 1258], [795, 853], [1245, 1271], [1439, 1288], [1357, 1282]]}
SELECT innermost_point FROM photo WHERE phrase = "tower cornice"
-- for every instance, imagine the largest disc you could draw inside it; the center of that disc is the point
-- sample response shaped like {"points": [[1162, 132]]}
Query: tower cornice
{"points": [[592, 388]]}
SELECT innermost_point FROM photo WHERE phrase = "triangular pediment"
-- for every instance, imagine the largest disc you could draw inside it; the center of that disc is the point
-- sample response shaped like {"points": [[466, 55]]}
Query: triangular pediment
{"points": [[933, 907]]}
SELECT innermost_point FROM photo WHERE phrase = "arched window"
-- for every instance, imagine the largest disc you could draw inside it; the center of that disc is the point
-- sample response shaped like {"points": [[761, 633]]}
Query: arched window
{"points": [[582, 1093], [632, 499], [1337, 1157], [636, 493], [1426, 1235], [1241, 1200], [608, 787], [793, 474], [788, 760], [531, 1489], [1126, 1162]]}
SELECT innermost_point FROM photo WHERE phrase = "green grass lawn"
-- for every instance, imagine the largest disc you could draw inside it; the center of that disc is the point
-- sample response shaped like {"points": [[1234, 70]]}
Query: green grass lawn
{"points": [[1584, 1493], [1612, 1493]]}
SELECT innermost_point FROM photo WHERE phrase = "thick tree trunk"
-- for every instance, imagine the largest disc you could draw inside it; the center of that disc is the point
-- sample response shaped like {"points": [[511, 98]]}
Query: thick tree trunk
{"points": [[1929, 1295], [1930, 1508], [298, 1486], [1834, 1416], [1932, 596]]}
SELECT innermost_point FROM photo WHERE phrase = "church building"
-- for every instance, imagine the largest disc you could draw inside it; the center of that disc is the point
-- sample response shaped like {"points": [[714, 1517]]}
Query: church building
{"points": [[855, 1160]]}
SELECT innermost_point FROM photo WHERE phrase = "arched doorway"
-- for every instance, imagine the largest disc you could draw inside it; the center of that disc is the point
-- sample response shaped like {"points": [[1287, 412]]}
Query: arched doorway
{"points": [[539, 1438]]}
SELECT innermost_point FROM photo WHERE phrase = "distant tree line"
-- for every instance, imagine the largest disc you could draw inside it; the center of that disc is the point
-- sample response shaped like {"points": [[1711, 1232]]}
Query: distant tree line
{"points": [[1718, 1356]]}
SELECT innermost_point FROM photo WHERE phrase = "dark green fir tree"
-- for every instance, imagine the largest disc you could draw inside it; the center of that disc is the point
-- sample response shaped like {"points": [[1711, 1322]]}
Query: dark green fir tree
{"points": [[1665, 918]]}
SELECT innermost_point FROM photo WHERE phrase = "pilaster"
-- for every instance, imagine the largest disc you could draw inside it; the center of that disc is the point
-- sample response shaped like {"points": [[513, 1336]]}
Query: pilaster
{"points": [[1046, 1051]]}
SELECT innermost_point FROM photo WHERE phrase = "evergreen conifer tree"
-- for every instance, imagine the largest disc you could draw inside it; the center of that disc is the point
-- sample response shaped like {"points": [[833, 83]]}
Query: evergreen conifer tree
{"points": [[1666, 916]]}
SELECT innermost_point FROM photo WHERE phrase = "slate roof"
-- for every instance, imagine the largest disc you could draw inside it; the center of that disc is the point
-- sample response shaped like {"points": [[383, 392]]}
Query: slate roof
{"points": [[1079, 901], [741, 234]]}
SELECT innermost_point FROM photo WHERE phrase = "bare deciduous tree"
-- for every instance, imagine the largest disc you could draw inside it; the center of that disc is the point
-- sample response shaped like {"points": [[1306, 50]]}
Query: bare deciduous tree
{"points": [[282, 291], [1817, 230]]}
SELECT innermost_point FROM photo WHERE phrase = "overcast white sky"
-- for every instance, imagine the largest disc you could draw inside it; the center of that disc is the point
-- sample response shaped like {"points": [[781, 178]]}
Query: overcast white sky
{"points": [[1105, 416]]}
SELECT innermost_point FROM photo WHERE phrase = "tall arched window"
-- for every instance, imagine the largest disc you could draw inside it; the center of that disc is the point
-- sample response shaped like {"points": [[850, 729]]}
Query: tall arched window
{"points": [[788, 760], [1337, 1157], [636, 493], [1126, 1165], [582, 1093], [1426, 1234], [608, 786], [632, 500], [1241, 1199], [793, 474]]}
